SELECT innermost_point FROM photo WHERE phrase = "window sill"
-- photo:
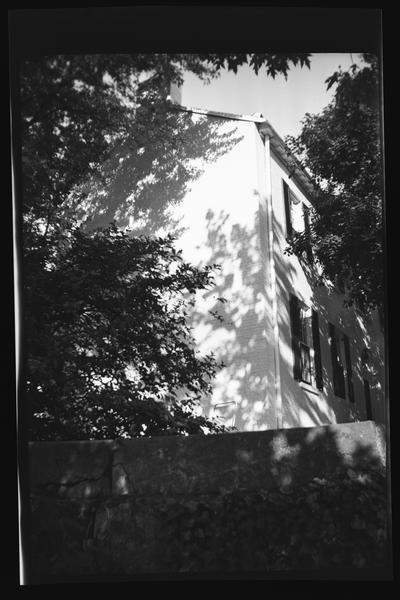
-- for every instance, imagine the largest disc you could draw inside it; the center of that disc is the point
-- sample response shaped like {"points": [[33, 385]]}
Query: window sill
{"points": [[309, 388]]}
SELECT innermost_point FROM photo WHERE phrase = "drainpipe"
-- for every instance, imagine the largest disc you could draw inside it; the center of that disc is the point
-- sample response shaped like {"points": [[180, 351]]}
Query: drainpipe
{"points": [[273, 285]]}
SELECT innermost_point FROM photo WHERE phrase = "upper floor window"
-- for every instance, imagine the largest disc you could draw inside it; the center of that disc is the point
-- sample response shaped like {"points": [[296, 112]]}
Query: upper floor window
{"points": [[297, 216]]}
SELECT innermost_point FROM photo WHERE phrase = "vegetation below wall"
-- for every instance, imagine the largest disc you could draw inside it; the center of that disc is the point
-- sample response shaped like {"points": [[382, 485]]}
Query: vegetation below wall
{"points": [[326, 523], [337, 522]]}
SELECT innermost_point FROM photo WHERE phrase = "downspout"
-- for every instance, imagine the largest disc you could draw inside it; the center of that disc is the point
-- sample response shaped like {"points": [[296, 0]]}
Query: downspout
{"points": [[273, 284]]}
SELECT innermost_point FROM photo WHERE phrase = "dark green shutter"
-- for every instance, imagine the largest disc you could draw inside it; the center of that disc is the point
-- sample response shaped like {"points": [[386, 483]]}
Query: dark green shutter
{"points": [[367, 393], [334, 356], [296, 334], [289, 228], [338, 380], [306, 216], [348, 367], [317, 351]]}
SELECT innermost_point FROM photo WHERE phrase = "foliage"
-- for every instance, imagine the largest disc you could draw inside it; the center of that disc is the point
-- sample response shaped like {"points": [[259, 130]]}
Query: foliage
{"points": [[110, 351], [274, 64], [341, 148], [333, 523], [74, 112], [95, 303]]}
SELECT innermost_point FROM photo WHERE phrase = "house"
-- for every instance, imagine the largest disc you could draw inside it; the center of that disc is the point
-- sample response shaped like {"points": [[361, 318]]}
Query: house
{"points": [[293, 354]]}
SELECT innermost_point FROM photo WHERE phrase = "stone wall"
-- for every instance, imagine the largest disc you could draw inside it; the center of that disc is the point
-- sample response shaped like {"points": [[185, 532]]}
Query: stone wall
{"points": [[256, 502]]}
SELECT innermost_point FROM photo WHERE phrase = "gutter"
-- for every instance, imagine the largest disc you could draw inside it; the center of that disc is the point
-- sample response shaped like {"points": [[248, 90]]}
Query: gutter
{"points": [[256, 118]]}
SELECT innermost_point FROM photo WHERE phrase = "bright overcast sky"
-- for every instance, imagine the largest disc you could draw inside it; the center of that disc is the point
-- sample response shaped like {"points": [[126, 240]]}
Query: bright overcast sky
{"points": [[282, 102]]}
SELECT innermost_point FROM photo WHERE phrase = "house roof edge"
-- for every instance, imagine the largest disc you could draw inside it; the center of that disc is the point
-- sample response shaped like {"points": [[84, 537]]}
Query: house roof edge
{"points": [[256, 118], [264, 126], [287, 157]]}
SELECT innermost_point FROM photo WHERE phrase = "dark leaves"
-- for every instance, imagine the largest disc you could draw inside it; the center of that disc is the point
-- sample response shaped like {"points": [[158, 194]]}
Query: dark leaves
{"points": [[341, 148], [274, 64], [332, 80], [108, 342]]}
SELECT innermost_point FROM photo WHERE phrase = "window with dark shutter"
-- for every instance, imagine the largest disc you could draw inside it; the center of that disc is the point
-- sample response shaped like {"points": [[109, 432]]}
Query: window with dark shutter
{"points": [[317, 351], [289, 228], [337, 364], [300, 340], [349, 372]]}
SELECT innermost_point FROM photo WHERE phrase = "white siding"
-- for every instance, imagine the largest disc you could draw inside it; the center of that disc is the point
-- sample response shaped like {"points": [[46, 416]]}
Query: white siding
{"points": [[223, 217], [305, 405]]}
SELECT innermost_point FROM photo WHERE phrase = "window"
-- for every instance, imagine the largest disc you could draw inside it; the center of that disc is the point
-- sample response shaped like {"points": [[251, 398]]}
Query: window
{"points": [[293, 211], [300, 338], [341, 364], [297, 216], [305, 343], [296, 212], [226, 412]]}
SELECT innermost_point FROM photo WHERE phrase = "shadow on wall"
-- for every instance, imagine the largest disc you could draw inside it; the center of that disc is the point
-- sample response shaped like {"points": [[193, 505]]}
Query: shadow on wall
{"points": [[245, 334], [288, 500], [246, 342], [297, 406], [243, 340], [368, 326], [326, 408], [138, 186], [240, 339]]}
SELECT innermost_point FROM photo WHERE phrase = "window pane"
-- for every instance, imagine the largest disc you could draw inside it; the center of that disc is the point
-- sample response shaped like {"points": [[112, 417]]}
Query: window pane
{"points": [[341, 391], [296, 212], [340, 349], [305, 363], [306, 326]]}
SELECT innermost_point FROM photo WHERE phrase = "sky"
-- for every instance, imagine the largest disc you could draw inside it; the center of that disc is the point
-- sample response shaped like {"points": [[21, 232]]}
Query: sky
{"points": [[282, 102]]}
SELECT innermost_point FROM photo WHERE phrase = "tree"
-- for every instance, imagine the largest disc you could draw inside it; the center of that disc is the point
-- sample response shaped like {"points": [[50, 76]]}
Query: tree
{"points": [[108, 347], [341, 149], [110, 351], [274, 64]]}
